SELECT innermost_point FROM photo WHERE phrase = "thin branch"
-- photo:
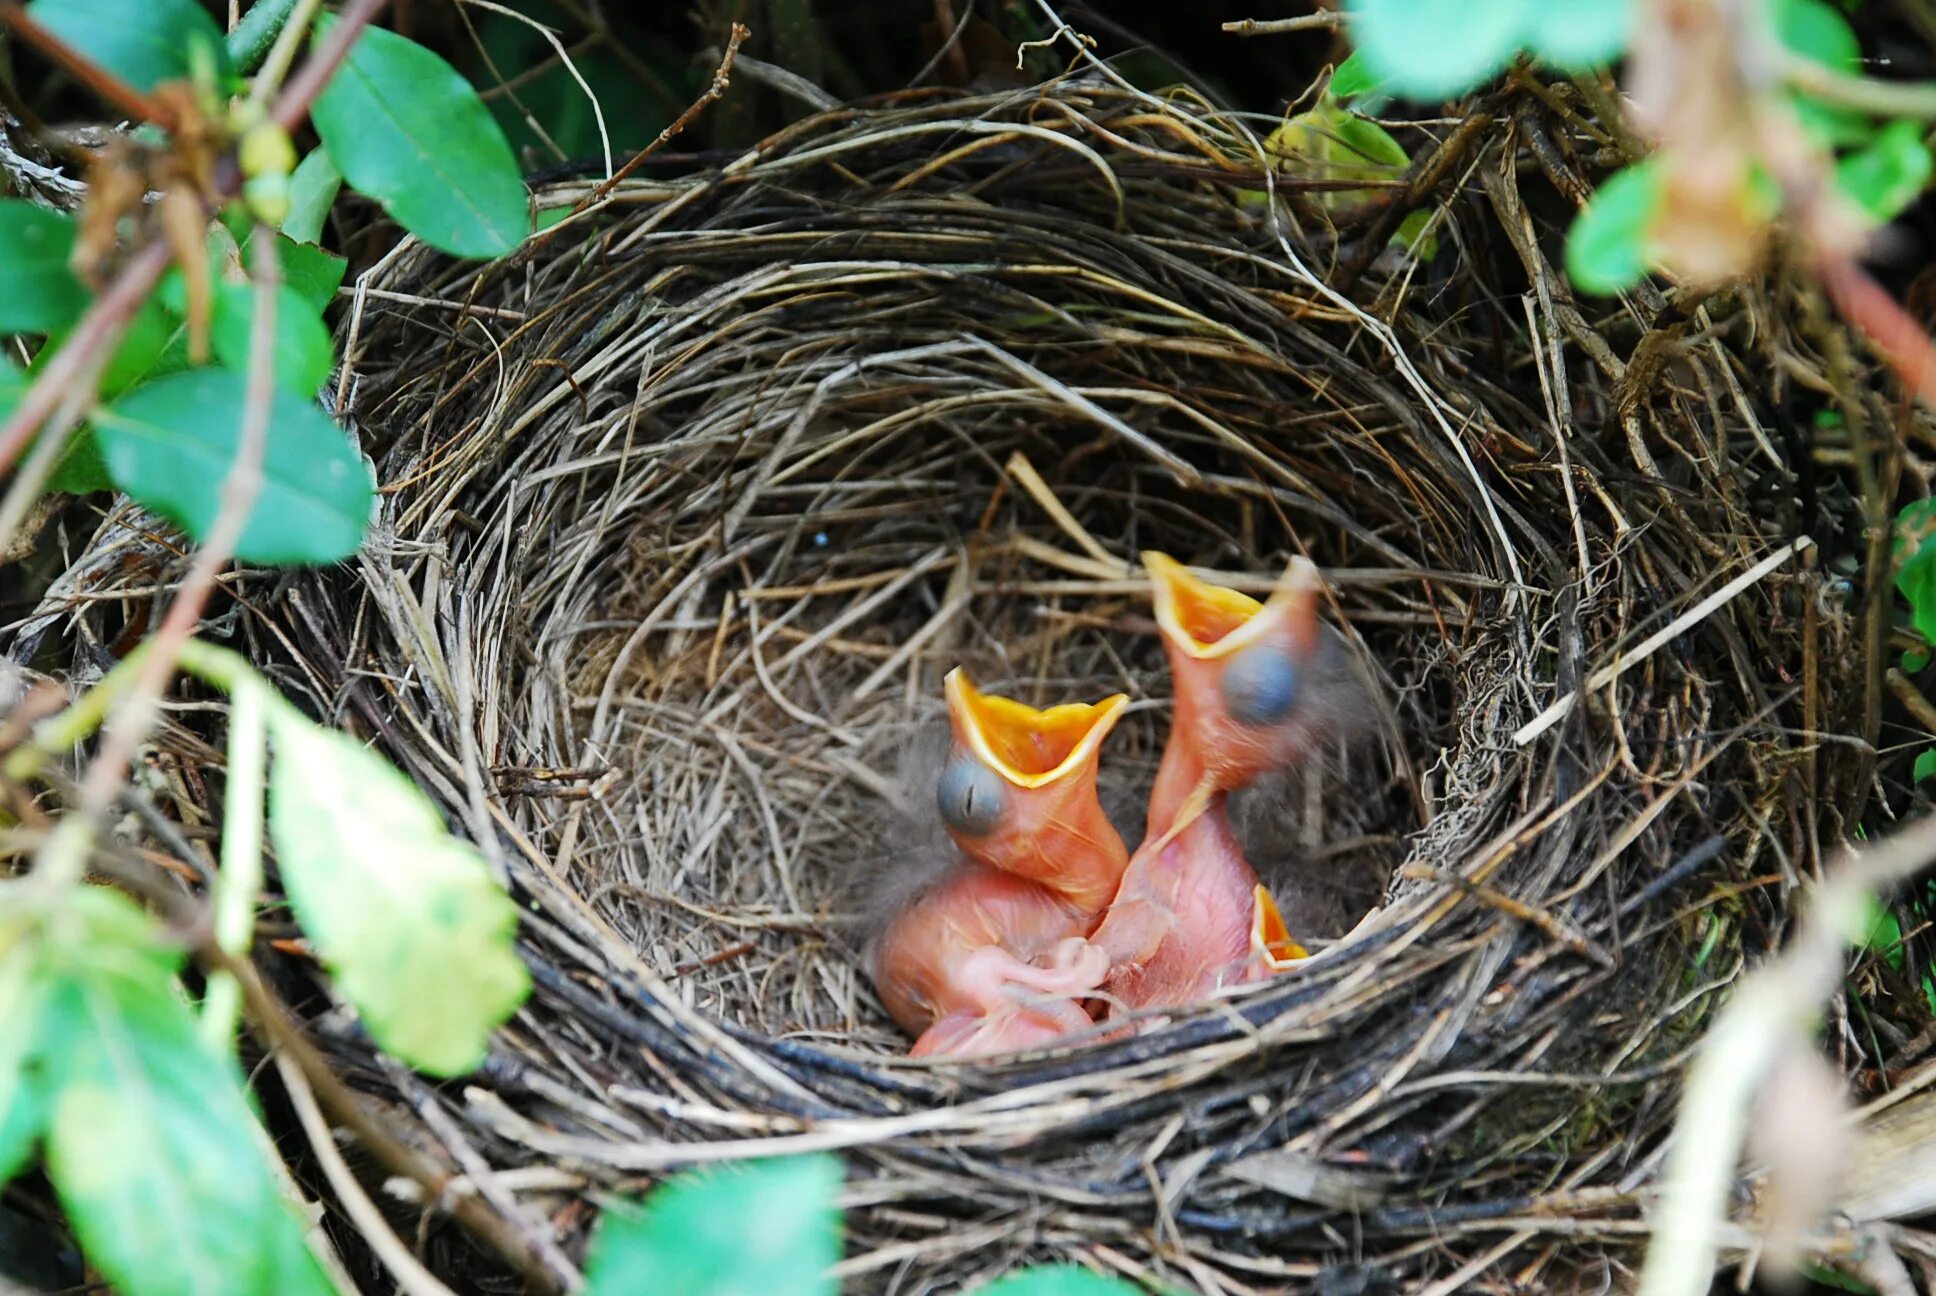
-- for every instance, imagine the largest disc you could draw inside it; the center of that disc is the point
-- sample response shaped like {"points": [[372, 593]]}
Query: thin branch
{"points": [[1323, 20], [102, 82], [97, 333], [131, 720], [1882, 98], [722, 77], [302, 89]]}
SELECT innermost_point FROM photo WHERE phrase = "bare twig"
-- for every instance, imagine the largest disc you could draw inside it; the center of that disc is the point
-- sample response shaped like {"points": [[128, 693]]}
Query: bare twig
{"points": [[1323, 20], [722, 78]]}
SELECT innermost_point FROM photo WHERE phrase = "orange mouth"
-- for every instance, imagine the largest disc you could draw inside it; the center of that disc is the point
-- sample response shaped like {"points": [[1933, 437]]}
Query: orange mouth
{"points": [[1211, 621], [1029, 748], [1268, 934]]}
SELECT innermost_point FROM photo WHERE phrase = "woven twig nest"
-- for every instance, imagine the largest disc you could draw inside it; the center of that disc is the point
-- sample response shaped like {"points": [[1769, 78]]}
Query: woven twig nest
{"points": [[689, 505]]}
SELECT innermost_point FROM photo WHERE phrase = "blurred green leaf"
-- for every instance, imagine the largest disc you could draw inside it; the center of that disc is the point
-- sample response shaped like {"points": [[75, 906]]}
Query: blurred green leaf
{"points": [[24, 989], [1353, 77], [1606, 250], [143, 42], [1915, 550], [313, 186], [155, 345], [38, 293], [1429, 49], [1886, 174], [150, 1142], [1579, 34], [310, 270], [766, 1228], [1925, 765], [1058, 1280], [1411, 234], [170, 443], [417, 933], [303, 352], [261, 22], [78, 471], [1881, 933], [404, 128], [1812, 29], [1915, 659]]}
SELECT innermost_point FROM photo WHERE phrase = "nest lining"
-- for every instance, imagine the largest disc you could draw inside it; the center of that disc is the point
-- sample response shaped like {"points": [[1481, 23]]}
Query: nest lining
{"points": [[689, 505]]}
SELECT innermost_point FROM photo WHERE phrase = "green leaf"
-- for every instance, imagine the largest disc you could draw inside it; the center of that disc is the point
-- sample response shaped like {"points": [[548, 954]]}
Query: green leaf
{"points": [[311, 271], [170, 443], [151, 1143], [80, 470], [1816, 32], [1432, 49], [303, 352], [418, 934], [1915, 550], [1353, 77], [1881, 933], [143, 42], [1888, 173], [406, 129], [38, 293], [767, 1228], [1058, 1280], [1915, 660], [1607, 248], [155, 345], [1812, 29], [261, 22], [1579, 34], [1925, 764], [24, 991], [1411, 230], [312, 191]]}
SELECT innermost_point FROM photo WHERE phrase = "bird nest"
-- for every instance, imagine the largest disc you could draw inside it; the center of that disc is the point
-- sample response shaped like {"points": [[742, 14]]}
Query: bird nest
{"points": [[689, 504]]}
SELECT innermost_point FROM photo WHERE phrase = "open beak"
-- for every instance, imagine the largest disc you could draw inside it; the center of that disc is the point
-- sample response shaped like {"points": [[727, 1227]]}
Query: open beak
{"points": [[1270, 939], [1026, 747], [1212, 623], [1019, 794], [1242, 672]]}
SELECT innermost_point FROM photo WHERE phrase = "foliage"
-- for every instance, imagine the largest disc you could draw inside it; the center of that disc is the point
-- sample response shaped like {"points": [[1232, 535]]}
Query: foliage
{"points": [[1876, 168], [403, 127], [115, 1076], [1430, 50]]}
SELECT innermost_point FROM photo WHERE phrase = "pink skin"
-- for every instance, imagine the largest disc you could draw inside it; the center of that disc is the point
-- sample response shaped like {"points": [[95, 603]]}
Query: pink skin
{"points": [[1181, 925], [1015, 1005]]}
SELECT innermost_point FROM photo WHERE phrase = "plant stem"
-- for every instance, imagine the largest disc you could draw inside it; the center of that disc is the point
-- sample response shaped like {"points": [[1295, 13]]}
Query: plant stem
{"points": [[94, 337], [76, 723], [283, 53], [309, 81], [1882, 98], [240, 879], [131, 721]]}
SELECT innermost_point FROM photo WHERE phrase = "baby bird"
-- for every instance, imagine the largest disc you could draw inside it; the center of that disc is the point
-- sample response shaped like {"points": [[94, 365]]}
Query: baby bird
{"points": [[992, 957], [1190, 915]]}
